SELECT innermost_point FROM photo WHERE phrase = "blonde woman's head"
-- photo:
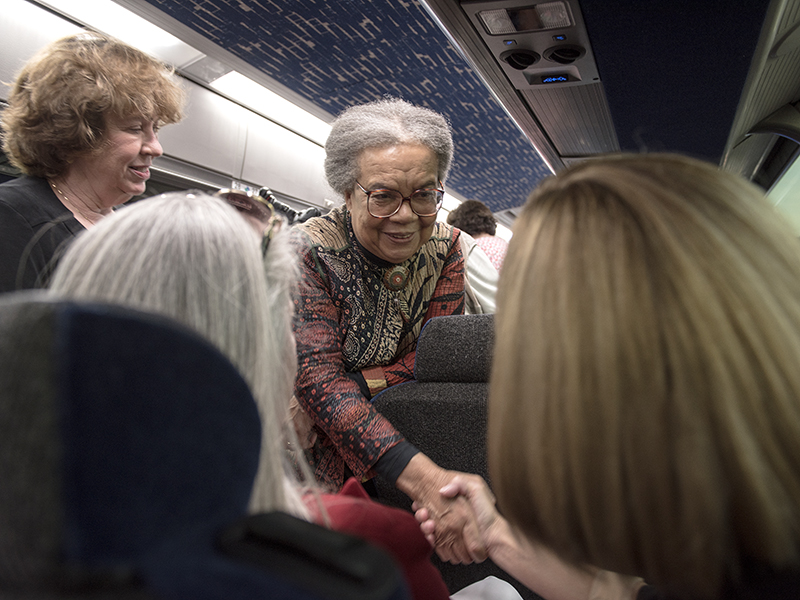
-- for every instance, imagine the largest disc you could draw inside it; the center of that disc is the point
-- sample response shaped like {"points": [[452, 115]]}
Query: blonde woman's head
{"points": [[645, 395]]}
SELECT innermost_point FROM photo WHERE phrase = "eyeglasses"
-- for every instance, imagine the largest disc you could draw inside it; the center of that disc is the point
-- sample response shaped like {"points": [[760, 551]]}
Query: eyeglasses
{"points": [[257, 210], [382, 204]]}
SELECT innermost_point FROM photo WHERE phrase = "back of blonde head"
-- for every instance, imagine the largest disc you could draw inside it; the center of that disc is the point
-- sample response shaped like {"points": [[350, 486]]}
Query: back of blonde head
{"points": [[645, 395], [193, 258]]}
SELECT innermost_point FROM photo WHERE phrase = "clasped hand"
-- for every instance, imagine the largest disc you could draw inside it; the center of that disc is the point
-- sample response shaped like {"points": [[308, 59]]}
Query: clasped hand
{"points": [[456, 522]]}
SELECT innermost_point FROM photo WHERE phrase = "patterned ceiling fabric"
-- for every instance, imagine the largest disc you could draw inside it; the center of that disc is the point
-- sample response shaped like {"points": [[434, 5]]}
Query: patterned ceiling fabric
{"points": [[337, 53]]}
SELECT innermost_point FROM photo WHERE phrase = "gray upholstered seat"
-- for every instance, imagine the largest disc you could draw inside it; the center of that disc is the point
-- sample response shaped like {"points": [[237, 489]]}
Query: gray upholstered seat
{"points": [[443, 413]]}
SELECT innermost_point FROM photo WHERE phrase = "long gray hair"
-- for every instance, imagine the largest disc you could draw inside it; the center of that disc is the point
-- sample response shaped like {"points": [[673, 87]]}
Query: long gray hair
{"points": [[379, 124], [193, 258]]}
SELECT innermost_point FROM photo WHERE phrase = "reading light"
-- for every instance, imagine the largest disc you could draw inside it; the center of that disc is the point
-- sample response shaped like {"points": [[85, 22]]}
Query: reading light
{"points": [[553, 15], [497, 21], [538, 17]]}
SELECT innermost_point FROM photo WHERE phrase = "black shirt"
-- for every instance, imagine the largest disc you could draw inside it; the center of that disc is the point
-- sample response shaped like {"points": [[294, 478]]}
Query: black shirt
{"points": [[35, 228]]}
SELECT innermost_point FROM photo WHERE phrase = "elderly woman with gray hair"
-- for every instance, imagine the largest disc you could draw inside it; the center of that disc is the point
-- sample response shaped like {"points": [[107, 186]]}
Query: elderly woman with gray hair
{"points": [[372, 273]]}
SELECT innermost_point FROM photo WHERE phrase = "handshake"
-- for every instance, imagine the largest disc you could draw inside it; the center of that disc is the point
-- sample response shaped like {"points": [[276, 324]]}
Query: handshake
{"points": [[455, 510], [462, 523]]}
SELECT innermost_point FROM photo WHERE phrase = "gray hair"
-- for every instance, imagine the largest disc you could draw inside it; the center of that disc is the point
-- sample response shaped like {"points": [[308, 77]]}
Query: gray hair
{"points": [[379, 124], [193, 258]]}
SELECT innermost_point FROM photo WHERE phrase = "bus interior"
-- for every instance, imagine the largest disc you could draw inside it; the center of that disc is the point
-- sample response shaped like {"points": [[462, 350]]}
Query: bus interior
{"points": [[528, 88]]}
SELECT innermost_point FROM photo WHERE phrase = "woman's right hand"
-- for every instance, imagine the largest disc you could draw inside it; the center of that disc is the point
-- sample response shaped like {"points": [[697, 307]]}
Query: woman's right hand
{"points": [[481, 500]]}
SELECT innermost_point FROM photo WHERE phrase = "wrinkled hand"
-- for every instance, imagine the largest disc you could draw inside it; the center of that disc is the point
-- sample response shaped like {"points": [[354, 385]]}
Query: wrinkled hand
{"points": [[481, 500], [456, 536], [303, 424]]}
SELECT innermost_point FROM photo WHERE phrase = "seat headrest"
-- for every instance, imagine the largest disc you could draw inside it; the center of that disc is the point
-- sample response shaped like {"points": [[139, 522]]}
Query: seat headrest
{"points": [[455, 348], [118, 430]]}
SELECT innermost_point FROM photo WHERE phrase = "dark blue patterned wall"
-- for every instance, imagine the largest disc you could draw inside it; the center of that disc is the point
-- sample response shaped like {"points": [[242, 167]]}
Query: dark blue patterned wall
{"points": [[342, 52]]}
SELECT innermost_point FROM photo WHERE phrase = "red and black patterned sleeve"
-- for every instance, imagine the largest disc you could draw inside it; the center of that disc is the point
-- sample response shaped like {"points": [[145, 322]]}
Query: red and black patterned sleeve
{"points": [[333, 400]]}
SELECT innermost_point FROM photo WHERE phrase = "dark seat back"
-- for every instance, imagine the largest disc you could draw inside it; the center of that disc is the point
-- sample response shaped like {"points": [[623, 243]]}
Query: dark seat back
{"points": [[444, 414], [128, 446]]}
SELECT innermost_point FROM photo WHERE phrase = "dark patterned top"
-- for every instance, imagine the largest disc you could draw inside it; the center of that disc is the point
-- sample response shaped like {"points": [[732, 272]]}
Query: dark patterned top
{"points": [[35, 230], [347, 320]]}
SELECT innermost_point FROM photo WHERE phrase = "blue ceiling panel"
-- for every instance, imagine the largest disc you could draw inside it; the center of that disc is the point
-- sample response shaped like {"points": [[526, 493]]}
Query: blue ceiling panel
{"points": [[345, 52]]}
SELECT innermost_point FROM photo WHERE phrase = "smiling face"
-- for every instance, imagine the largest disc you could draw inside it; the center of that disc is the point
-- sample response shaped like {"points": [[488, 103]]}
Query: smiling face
{"points": [[121, 168], [405, 168]]}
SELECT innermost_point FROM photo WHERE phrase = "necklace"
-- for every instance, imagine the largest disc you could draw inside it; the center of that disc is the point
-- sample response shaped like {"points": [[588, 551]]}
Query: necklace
{"points": [[58, 191], [87, 220]]}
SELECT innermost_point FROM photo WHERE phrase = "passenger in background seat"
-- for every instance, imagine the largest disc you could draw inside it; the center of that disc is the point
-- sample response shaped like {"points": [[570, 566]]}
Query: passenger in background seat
{"points": [[82, 125], [475, 218], [483, 252], [644, 409], [480, 278], [191, 257]]}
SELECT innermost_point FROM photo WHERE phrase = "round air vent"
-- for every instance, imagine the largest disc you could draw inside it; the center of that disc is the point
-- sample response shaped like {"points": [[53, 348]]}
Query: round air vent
{"points": [[519, 59], [564, 55]]}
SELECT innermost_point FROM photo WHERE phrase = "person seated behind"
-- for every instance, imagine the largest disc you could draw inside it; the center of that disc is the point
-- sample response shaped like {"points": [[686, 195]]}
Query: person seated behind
{"points": [[475, 218], [480, 278], [644, 411], [82, 125], [202, 266]]}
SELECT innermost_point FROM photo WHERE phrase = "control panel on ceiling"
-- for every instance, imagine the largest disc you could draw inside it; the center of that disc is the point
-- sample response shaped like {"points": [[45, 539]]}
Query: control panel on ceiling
{"points": [[542, 44]]}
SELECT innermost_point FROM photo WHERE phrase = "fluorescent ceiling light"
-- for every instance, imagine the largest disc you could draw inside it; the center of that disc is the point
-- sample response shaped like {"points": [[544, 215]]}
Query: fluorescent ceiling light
{"points": [[503, 21], [113, 19], [48, 25], [450, 202], [271, 105]]}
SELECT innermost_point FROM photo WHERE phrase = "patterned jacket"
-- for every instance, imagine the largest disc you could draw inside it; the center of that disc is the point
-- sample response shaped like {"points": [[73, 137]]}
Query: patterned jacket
{"points": [[347, 319]]}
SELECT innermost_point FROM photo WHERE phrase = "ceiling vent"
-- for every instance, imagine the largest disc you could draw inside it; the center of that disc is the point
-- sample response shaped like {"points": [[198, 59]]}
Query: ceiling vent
{"points": [[537, 61], [541, 44], [520, 59]]}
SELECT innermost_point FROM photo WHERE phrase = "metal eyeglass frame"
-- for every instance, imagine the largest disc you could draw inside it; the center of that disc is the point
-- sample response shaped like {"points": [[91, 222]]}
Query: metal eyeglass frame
{"points": [[369, 193]]}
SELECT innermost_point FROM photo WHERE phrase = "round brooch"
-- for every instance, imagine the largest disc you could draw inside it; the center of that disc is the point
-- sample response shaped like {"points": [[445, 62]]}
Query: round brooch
{"points": [[395, 278]]}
